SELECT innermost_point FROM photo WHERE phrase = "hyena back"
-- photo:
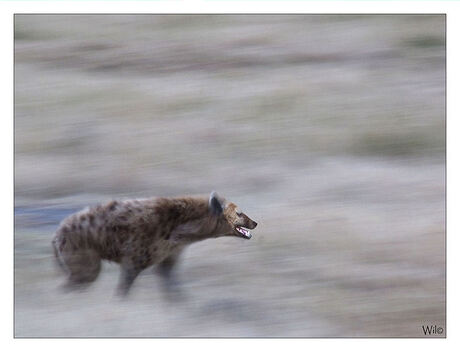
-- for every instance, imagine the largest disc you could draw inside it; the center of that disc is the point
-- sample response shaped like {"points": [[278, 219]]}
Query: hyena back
{"points": [[140, 233]]}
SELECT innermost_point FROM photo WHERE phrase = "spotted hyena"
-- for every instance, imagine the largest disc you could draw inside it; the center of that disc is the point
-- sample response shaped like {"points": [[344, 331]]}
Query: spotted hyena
{"points": [[140, 233]]}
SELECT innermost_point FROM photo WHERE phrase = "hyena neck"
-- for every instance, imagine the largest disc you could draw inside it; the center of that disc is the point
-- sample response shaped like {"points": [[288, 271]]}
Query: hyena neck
{"points": [[190, 218], [194, 231]]}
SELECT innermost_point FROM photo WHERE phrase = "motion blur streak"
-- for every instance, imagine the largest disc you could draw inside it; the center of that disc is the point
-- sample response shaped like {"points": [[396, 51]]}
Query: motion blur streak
{"points": [[329, 130]]}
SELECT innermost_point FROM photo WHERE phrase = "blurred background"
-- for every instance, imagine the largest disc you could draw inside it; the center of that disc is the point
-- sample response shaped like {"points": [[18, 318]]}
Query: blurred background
{"points": [[329, 131]]}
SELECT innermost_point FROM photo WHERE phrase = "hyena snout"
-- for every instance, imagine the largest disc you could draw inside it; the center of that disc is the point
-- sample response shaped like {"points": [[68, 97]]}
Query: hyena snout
{"points": [[243, 229], [252, 225]]}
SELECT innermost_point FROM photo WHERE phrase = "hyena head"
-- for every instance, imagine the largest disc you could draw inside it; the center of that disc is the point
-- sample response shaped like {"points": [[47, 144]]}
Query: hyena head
{"points": [[231, 220]]}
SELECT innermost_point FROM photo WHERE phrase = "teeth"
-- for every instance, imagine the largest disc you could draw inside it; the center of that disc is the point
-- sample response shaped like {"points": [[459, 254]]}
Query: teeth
{"points": [[245, 232]]}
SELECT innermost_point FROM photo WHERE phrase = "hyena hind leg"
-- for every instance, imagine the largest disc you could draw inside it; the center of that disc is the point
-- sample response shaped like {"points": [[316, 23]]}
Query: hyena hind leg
{"points": [[83, 267]]}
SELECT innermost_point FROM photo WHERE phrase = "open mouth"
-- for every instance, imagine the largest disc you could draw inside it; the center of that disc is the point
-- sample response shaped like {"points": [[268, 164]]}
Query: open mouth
{"points": [[243, 232]]}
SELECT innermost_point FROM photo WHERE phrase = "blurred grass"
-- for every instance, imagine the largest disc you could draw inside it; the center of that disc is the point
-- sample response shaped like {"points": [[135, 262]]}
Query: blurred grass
{"points": [[426, 42], [328, 130]]}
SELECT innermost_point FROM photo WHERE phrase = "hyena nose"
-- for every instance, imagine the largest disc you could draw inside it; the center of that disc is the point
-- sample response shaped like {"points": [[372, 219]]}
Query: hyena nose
{"points": [[254, 224]]}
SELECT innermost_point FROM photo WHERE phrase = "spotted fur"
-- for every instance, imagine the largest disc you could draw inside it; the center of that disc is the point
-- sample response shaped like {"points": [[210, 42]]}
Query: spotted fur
{"points": [[140, 233]]}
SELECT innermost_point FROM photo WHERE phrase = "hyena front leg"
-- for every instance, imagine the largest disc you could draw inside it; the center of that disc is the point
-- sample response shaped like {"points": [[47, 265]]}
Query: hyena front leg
{"points": [[166, 271], [129, 272]]}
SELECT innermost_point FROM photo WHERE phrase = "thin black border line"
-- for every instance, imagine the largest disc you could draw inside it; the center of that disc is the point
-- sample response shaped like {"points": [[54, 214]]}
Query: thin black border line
{"points": [[235, 14], [445, 175]]}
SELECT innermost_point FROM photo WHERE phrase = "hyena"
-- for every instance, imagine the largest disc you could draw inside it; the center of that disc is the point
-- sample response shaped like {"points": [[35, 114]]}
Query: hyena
{"points": [[137, 234]]}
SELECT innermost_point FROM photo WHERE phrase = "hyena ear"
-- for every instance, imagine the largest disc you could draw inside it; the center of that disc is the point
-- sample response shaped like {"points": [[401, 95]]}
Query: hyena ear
{"points": [[216, 203]]}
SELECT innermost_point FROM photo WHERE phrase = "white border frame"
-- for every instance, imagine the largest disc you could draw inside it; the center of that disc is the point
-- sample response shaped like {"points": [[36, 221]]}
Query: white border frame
{"points": [[8, 9]]}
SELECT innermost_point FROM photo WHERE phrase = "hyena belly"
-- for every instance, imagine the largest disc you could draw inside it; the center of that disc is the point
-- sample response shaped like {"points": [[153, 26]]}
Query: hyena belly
{"points": [[122, 232]]}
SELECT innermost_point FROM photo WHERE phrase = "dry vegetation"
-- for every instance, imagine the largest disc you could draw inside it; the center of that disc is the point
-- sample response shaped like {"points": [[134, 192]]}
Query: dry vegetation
{"points": [[327, 130]]}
